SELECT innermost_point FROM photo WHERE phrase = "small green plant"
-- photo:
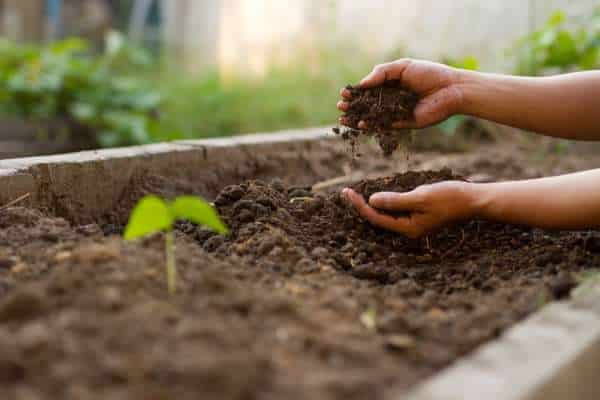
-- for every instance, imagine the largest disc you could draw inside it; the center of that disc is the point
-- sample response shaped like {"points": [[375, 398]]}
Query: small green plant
{"points": [[68, 80], [563, 44], [369, 319], [153, 214]]}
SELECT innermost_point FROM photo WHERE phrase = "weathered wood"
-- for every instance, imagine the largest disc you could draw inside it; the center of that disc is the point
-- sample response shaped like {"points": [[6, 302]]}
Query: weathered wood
{"points": [[552, 355], [91, 183]]}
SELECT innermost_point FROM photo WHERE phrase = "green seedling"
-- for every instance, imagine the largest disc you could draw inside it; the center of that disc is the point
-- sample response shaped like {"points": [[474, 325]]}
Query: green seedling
{"points": [[369, 319], [153, 214]]}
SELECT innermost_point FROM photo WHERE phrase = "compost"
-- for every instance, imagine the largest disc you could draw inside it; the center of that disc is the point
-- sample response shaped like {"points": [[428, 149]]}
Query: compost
{"points": [[379, 108], [302, 300]]}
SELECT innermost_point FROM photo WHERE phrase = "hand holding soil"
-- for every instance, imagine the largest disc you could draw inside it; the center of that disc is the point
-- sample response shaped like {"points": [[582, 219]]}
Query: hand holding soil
{"points": [[419, 212], [435, 85]]}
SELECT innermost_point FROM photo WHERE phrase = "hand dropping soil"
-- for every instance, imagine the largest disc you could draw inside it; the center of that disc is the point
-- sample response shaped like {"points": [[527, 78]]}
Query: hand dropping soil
{"points": [[379, 108]]}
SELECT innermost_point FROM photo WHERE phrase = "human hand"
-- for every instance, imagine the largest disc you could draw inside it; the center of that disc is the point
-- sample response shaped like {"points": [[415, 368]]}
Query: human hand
{"points": [[437, 85], [429, 207]]}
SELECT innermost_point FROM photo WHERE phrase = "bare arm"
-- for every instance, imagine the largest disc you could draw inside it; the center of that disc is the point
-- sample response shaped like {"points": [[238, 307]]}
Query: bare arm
{"points": [[561, 202], [566, 106]]}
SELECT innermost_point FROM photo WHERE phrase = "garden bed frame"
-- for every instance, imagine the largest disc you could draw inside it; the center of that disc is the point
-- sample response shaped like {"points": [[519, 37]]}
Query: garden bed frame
{"points": [[553, 354]]}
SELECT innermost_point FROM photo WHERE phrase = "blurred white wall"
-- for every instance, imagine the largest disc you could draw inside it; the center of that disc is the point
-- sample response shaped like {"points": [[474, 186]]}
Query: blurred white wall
{"points": [[435, 29], [245, 35]]}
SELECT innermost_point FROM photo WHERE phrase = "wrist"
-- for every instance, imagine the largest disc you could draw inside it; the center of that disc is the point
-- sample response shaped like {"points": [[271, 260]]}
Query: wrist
{"points": [[480, 199], [467, 84]]}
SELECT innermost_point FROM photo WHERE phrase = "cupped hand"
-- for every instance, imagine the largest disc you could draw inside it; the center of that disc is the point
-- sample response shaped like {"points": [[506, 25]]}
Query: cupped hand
{"points": [[437, 85], [429, 207]]}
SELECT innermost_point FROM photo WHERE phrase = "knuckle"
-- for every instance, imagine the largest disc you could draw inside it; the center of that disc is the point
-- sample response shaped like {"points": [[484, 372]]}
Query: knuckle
{"points": [[380, 68], [403, 62], [422, 195]]}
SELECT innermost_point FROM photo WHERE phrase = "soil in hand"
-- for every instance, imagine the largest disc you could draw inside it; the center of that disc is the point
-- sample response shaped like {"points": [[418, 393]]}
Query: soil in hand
{"points": [[402, 183], [379, 107]]}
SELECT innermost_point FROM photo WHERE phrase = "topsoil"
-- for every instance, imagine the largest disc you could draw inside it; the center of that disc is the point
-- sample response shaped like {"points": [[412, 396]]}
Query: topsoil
{"points": [[302, 300], [379, 107]]}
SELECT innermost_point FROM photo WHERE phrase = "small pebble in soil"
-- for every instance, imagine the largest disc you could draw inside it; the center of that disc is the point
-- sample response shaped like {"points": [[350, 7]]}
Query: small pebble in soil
{"points": [[21, 305], [34, 337], [562, 286], [7, 262], [399, 342]]}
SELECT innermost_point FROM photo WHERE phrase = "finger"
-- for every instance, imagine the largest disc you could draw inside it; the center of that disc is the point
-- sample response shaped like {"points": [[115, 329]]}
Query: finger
{"points": [[345, 93], [343, 106], [400, 225], [384, 72], [392, 201]]}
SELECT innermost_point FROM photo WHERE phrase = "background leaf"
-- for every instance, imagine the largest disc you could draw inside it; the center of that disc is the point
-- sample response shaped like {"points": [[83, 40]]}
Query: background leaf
{"points": [[450, 125], [151, 215], [557, 18], [196, 210]]}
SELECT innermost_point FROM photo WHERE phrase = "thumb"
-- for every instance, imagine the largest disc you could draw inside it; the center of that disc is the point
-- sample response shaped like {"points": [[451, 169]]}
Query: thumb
{"points": [[392, 201], [385, 72]]}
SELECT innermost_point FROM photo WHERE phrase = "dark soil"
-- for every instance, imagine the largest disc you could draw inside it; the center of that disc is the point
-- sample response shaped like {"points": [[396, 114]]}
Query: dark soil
{"points": [[402, 183], [379, 108], [302, 300]]}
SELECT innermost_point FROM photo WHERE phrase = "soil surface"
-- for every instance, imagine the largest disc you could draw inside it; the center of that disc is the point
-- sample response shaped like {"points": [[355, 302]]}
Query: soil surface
{"points": [[302, 300], [379, 107]]}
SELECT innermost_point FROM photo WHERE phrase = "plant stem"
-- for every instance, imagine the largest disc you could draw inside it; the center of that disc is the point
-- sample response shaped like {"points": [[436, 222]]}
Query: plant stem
{"points": [[171, 269]]}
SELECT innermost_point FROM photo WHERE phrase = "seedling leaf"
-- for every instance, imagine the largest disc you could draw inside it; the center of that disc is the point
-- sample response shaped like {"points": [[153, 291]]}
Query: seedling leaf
{"points": [[151, 215], [198, 211]]}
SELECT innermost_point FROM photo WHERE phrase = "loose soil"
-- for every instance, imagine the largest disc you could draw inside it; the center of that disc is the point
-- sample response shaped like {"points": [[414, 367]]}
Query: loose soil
{"points": [[379, 107], [302, 300]]}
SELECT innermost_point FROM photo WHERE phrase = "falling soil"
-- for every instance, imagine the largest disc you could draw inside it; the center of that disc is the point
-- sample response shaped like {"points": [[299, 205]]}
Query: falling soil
{"points": [[379, 107], [302, 300]]}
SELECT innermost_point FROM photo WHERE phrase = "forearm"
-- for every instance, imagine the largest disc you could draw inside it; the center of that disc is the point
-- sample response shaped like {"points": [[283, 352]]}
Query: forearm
{"points": [[565, 106], [561, 202]]}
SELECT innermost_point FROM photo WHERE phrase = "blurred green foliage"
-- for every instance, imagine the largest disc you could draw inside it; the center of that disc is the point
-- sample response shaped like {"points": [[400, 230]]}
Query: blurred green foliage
{"points": [[65, 80], [296, 95], [127, 97], [470, 63], [563, 44]]}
